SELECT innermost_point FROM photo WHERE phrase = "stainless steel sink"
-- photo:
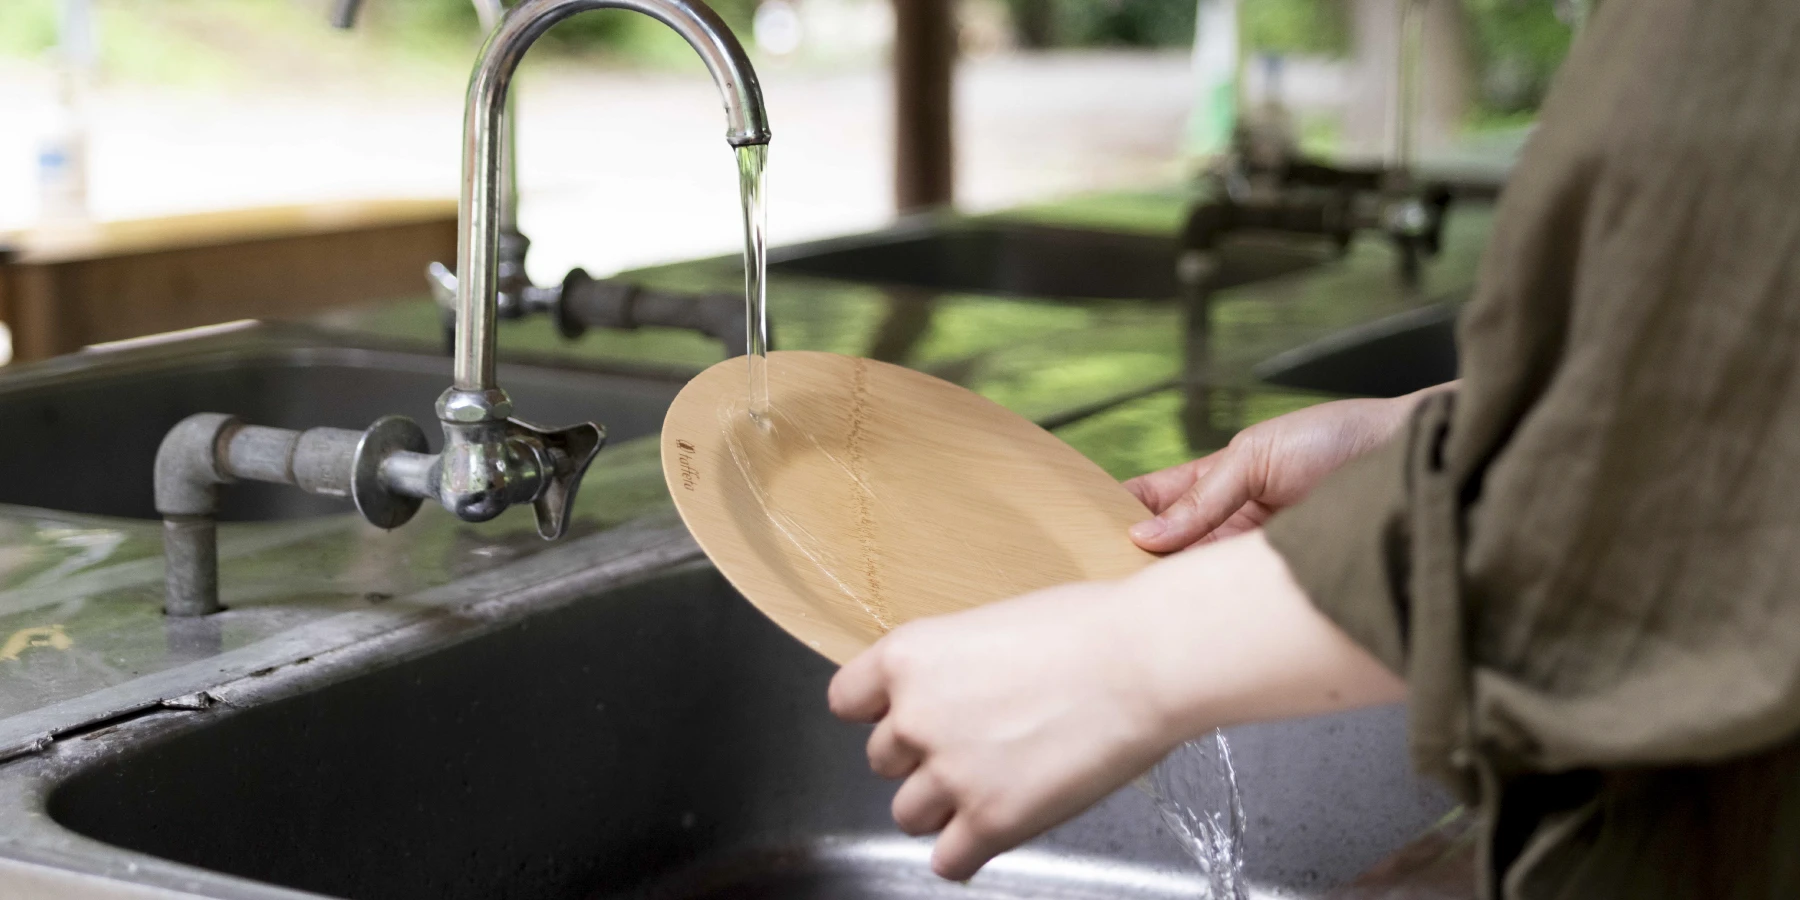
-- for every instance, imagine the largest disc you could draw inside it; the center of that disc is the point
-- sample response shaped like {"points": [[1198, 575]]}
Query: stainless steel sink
{"points": [[1014, 259], [1385, 358], [84, 435], [658, 740]]}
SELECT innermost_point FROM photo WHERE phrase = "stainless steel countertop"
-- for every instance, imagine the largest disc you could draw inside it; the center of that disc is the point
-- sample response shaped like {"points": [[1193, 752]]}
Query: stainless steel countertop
{"points": [[83, 638]]}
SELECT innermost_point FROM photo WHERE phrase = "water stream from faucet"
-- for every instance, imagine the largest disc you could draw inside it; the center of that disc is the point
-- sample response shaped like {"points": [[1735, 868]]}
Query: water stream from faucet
{"points": [[1196, 792], [752, 160]]}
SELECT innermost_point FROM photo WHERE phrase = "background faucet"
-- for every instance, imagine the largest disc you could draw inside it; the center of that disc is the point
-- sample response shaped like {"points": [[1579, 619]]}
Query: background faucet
{"points": [[1269, 186], [490, 460], [580, 301]]}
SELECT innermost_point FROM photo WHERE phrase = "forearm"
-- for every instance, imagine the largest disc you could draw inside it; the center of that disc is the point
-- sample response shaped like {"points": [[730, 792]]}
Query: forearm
{"points": [[1229, 637], [1011, 717]]}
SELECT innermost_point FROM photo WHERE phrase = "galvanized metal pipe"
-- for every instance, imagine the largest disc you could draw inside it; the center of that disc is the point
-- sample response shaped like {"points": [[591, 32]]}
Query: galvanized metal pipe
{"points": [[409, 474], [587, 302], [191, 565], [207, 450]]}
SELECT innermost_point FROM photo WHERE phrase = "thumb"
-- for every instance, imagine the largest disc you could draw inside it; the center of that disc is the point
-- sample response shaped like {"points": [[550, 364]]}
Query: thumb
{"points": [[1204, 507]]}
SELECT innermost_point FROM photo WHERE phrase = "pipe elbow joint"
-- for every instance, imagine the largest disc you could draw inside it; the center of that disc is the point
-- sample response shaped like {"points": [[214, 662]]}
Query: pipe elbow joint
{"points": [[188, 473]]}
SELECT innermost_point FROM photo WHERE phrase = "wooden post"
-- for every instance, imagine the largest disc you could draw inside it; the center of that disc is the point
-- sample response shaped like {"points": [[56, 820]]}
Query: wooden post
{"points": [[924, 76]]}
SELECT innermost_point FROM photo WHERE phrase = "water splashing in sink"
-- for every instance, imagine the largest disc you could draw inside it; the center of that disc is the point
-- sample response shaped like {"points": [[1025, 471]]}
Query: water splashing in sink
{"points": [[1195, 789], [752, 160]]}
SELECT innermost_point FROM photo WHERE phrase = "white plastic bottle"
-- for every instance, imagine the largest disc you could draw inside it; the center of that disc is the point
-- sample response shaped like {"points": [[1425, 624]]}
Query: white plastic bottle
{"points": [[62, 160], [1215, 111]]}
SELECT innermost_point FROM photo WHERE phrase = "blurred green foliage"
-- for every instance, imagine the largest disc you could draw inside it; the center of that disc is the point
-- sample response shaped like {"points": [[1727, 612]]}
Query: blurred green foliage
{"points": [[1519, 45], [194, 41], [1305, 27], [1117, 23], [1134, 23], [228, 41], [1315, 27], [608, 31], [27, 27]]}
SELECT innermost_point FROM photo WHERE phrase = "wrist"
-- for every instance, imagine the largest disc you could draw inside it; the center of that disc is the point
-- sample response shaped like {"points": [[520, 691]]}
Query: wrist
{"points": [[1229, 637], [1398, 411], [1173, 653], [1141, 682]]}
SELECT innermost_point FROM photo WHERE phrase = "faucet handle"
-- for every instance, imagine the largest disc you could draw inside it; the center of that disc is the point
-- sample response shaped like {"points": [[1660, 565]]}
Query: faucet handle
{"points": [[564, 456], [443, 292]]}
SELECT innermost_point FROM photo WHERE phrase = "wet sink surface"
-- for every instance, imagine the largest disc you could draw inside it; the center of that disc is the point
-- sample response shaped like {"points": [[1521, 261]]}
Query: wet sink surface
{"points": [[1028, 261], [659, 740], [90, 440]]}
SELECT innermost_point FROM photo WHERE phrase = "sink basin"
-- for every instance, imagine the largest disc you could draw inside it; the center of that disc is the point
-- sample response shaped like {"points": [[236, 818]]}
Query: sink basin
{"points": [[658, 740], [88, 437], [1023, 260], [1385, 358]]}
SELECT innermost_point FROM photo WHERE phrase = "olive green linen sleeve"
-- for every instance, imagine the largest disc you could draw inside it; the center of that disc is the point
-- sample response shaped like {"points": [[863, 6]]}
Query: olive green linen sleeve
{"points": [[1376, 549], [1348, 547], [1587, 563]]}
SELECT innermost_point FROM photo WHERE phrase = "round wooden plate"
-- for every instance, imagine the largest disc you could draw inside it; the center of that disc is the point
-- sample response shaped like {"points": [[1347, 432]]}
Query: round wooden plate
{"points": [[873, 495]]}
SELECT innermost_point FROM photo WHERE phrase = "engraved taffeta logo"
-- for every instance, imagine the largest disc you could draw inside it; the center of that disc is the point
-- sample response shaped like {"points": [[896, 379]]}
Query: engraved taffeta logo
{"points": [[690, 476]]}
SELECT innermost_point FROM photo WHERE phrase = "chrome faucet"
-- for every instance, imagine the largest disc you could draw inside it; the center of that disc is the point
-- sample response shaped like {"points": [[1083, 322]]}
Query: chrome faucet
{"points": [[490, 459], [517, 294], [579, 301]]}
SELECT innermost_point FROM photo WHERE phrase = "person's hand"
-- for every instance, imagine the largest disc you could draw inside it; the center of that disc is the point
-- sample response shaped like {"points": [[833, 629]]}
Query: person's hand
{"points": [[1266, 468], [1004, 720], [1009, 718]]}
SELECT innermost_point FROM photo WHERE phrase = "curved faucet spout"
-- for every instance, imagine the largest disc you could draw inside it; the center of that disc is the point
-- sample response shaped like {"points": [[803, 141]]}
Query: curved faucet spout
{"points": [[476, 256]]}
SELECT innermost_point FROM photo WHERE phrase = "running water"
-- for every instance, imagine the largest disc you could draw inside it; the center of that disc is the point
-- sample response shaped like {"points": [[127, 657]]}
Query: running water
{"points": [[1196, 792], [1195, 788], [751, 161]]}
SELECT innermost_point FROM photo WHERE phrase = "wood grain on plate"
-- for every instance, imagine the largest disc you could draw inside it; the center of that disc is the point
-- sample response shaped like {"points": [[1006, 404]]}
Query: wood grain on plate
{"points": [[874, 495]]}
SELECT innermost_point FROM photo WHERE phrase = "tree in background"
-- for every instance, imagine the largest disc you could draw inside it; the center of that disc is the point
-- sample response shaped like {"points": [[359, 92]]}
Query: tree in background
{"points": [[1516, 45], [1103, 23], [607, 31], [1296, 27], [1519, 45]]}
